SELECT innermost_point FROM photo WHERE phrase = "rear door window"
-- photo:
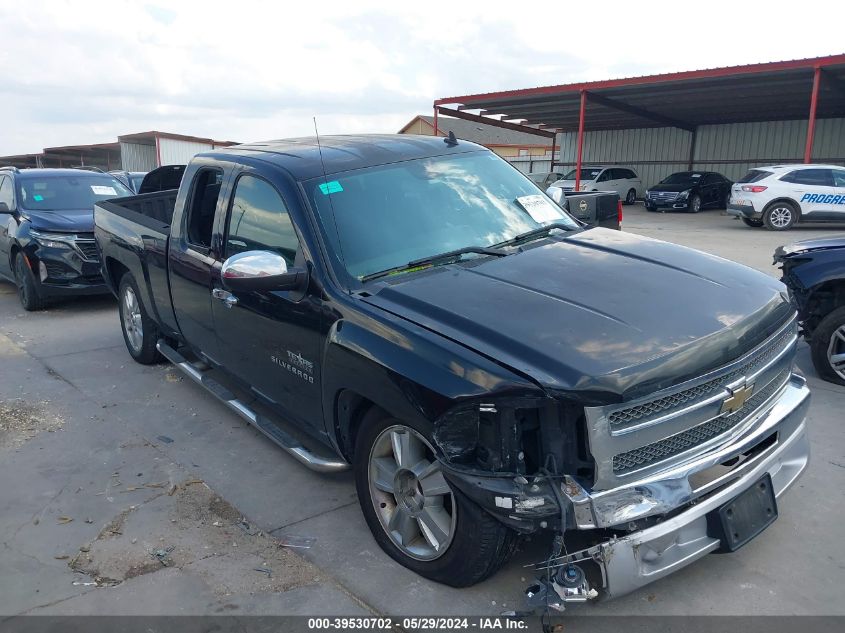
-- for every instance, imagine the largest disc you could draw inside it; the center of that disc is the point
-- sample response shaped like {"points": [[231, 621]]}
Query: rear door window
{"points": [[754, 175], [817, 177], [204, 195]]}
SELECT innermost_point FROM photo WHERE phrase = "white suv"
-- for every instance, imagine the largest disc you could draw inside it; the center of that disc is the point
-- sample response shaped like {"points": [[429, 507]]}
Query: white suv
{"points": [[621, 180], [779, 196]]}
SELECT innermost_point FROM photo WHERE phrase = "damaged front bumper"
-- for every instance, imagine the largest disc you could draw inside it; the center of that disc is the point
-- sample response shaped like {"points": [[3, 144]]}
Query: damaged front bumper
{"points": [[638, 558]]}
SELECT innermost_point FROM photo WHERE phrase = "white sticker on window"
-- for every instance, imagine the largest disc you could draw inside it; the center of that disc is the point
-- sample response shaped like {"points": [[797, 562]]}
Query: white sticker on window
{"points": [[540, 208], [102, 190]]}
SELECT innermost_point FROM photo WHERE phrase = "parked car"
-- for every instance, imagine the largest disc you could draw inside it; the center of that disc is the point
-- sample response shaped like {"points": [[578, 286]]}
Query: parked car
{"points": [[814, 272], [689, 190], [132, 179], [545, 178], [779, 196], [625, 182], [418, 310], [46, 237]]}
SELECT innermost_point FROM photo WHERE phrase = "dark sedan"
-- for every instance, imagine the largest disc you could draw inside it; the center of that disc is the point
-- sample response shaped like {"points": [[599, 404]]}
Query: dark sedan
{"points": [[689, 190]]}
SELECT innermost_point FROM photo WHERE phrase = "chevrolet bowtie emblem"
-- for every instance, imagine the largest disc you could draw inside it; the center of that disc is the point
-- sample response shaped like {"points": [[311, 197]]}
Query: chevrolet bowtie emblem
{"points": [[737, 399]]}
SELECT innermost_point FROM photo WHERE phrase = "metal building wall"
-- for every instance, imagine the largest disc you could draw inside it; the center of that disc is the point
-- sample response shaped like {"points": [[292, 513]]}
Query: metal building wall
{"points": [[729, 149], [177, 152], [137, 157]]}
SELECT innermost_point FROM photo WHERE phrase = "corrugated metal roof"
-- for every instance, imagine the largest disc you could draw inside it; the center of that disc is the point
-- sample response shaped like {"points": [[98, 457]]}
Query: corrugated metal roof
{"points": [[485, 134]]}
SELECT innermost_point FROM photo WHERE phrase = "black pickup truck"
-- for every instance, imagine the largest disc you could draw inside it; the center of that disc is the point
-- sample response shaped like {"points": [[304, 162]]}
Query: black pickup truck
{"points": [[415, 308]]}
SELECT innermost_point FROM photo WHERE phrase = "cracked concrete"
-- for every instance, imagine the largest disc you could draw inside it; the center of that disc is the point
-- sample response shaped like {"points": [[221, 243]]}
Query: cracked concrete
{"points": [[108, 453]]}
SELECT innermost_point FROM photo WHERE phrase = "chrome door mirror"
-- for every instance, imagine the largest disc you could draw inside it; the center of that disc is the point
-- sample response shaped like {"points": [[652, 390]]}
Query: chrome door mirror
{"points": [[260, 270]]}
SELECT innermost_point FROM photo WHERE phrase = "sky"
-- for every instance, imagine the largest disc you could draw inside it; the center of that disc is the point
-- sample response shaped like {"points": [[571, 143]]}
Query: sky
{"points": [[78, 72]]}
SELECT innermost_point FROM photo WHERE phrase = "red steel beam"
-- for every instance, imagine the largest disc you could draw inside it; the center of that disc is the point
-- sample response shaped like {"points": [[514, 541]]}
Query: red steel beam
{"points": [[811, 122], [728, 71], [579, 155], [494, 122]]}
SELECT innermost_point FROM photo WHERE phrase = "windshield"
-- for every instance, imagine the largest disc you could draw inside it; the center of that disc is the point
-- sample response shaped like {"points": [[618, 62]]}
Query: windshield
{"points": [[682, 178], [137, 180], [384, 217], [57, 193], [587, 173]]}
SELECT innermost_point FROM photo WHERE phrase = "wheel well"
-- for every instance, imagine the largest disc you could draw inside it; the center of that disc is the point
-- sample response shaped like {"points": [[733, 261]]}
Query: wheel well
{"points": [[350, 409], [12, 254], [116, 271], [792, 202], [824, 299]]}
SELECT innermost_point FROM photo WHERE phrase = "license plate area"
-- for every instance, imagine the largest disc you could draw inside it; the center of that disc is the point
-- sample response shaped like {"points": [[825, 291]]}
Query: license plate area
{"points": [[741, 519]]}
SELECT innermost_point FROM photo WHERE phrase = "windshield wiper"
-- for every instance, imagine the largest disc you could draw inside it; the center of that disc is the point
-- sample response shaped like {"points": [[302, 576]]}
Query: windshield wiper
{"points": [[540, 231], [434, 260]]}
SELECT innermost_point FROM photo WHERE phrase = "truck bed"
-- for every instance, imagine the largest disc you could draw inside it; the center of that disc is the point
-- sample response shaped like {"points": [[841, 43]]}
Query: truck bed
{"points": [[132, 235]]}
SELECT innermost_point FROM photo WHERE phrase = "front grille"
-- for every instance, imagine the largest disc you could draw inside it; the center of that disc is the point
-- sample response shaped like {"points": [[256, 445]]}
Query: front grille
{"points": [[675, 444], [55, 269], [663, 196], [676, 401], [88, 250]]}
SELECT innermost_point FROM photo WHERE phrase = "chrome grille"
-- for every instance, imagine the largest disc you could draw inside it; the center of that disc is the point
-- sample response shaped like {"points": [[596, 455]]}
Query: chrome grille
{"points": [[663, 196], [700, 434], [678, 400]]}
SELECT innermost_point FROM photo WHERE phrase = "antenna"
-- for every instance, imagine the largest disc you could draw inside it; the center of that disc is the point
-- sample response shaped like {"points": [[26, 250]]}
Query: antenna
{"points": [[327, 192], [450, 140]]}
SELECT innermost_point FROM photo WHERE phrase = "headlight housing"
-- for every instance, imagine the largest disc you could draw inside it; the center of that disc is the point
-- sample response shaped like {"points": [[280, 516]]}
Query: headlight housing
{"points": [[584, 186], [53, 240], [683, 195]]}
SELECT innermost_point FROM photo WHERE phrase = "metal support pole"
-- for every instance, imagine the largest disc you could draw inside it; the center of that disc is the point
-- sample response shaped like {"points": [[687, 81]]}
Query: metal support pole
{"points": [[435, 120], [811, 122], [554, 141], [692, 141], [580, 140]]}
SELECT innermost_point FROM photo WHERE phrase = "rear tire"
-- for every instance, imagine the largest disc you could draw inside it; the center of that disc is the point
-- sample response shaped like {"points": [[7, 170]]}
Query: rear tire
{"points": [[140, 333], [29, 290], [828, 347], [752, 223], [780, 216], [631, 198], [393, 501]]}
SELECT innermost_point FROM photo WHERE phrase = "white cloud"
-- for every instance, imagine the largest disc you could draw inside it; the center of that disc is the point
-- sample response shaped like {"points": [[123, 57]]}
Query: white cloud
{"points": [[83, 72]]}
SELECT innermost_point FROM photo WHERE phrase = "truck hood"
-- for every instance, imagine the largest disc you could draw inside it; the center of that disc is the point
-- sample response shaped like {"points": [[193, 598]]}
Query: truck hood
{"points": [[66, 220], [603, 314], [804, 246]]}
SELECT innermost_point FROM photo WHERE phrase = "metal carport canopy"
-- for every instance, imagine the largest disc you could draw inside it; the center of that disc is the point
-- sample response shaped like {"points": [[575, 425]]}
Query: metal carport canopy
{"points": [[796, 89]]}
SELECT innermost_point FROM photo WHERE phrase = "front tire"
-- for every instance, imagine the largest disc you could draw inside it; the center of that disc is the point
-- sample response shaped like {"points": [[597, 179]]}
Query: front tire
{"points": [[414, 514], [780, 216], [29, 291], [631, 198], [695, 204], [140, 333], [827, 347], [752, 223]]}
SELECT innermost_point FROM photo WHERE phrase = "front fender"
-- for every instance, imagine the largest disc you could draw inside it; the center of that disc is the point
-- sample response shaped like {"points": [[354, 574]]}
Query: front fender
{"points": [[410, 372]]}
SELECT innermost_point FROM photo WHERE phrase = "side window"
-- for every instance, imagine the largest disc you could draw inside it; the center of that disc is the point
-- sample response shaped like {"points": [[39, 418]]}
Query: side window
{"points": [[6, 191], [817, 177], [838, 177], [605, 176], [206, 191], [259, 221]]}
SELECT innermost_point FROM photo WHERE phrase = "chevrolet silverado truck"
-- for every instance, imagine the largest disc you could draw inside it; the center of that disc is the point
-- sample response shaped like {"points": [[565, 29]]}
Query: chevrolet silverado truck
{"points": [[416, 309], [814, 272]]}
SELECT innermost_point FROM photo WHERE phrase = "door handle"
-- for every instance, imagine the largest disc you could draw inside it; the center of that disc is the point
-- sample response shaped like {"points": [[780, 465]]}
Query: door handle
{"points": [[228, 299]]}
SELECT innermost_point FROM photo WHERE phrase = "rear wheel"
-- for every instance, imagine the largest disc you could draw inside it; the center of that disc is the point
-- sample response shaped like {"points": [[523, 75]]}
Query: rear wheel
{"points": [[753, 223], [631, 198], [828, 347], [414, 514], [780, 216], [140, 332], [29, 290], [695, 204]]}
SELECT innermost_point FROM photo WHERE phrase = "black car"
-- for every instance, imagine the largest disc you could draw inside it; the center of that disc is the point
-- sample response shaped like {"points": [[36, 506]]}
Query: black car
{"points": [[47, 243], [814, 272], [689, 190]]}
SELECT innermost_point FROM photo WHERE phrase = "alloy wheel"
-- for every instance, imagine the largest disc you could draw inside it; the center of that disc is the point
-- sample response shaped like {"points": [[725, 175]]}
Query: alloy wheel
{"points": [[696, 204], [132, 323], [780, 217], [413, 501], [836, 351]]}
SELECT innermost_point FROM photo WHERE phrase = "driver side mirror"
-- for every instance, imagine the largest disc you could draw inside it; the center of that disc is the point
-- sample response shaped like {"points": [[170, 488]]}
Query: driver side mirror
{"points": [[261, 270], [4, 208]]}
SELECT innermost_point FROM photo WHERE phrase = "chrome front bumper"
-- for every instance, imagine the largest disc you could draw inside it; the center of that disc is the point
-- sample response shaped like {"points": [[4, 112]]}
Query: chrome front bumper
{"points": [[641, 557]]}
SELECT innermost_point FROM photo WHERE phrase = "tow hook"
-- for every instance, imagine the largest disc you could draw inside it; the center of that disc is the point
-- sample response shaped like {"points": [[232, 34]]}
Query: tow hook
{"points": [[566, 584]]}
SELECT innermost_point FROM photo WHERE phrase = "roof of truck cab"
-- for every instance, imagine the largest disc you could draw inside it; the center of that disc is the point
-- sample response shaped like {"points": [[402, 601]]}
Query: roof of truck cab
{"points": [[301, 156]]}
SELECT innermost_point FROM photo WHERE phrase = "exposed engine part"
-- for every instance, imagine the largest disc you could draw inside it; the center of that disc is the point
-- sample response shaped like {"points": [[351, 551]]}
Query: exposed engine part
{"points": [[567, 584]]}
